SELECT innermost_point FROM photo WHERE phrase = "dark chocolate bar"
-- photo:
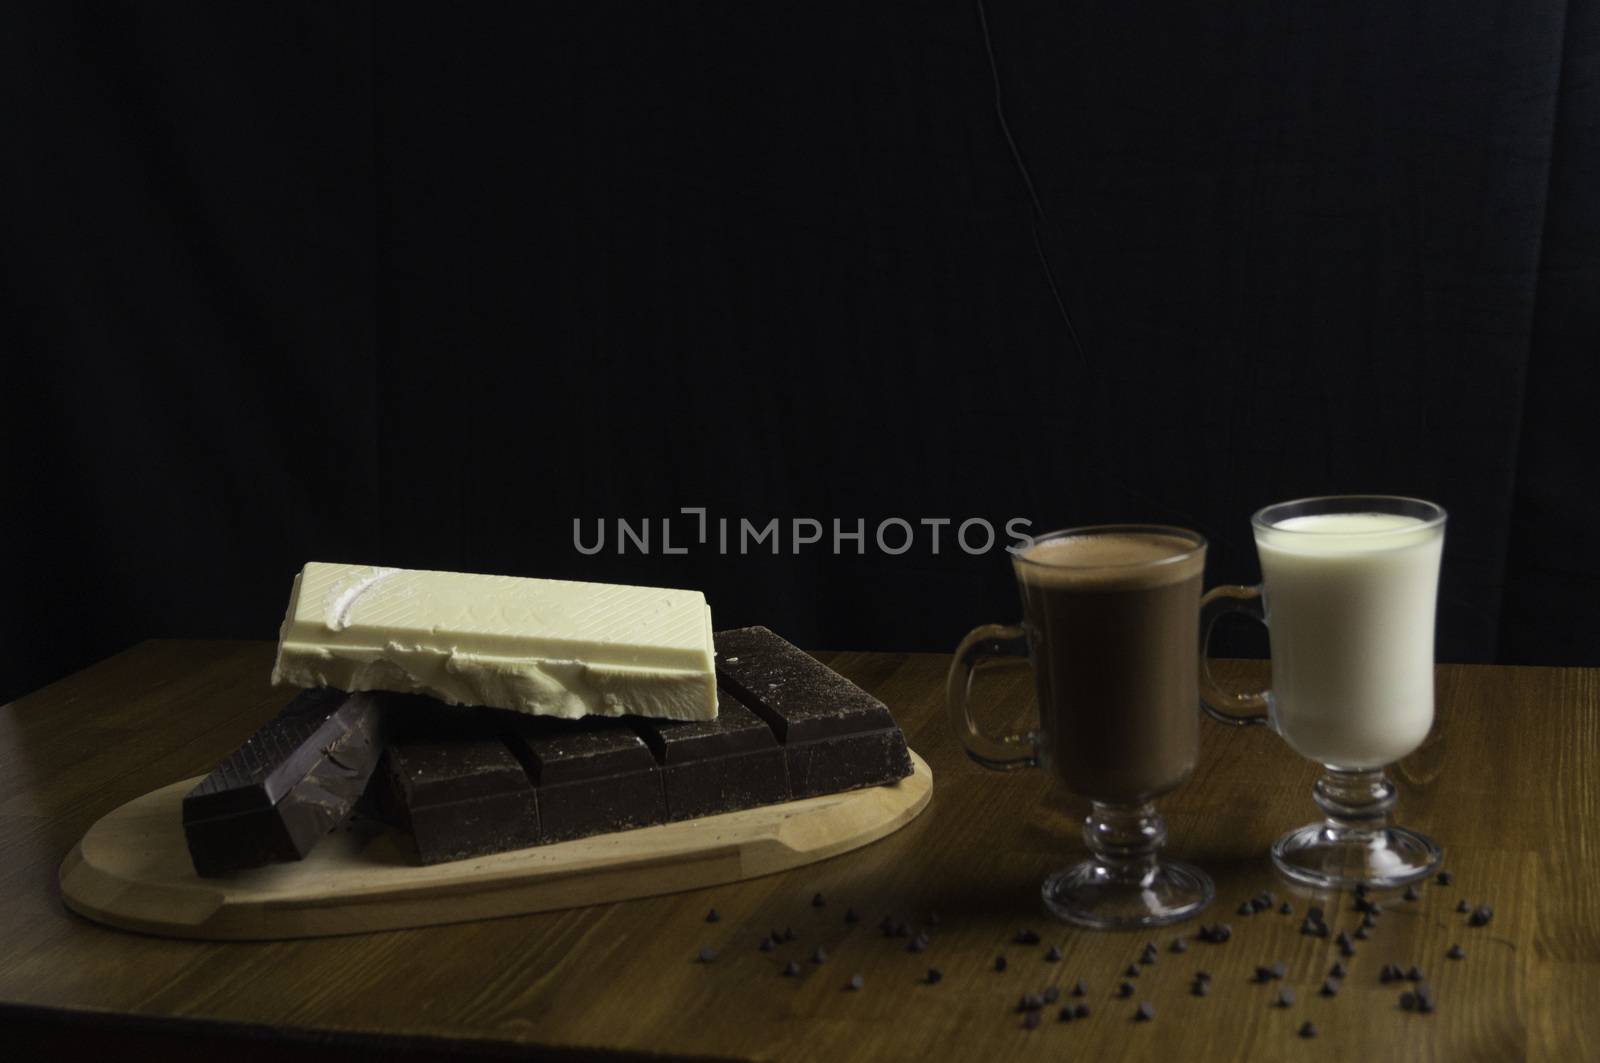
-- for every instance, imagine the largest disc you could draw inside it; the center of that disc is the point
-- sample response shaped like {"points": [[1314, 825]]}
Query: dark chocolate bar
{"points": [[835, 735], [712, 766], [292, 781]]}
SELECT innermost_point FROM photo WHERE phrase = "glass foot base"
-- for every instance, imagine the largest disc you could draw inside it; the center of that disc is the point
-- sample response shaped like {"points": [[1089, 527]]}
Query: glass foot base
{"points": [[1089, 894], [1335, 858]]}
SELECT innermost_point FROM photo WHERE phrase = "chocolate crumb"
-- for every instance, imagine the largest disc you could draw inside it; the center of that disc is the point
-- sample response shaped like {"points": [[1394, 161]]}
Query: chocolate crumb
{"points": [[1081, 1011], [713, 916], [1308, 1030], [1053, 956], [1445, 878], [1463, 906], [1051, 994], [856, 982], [1065, 1014], [1286, 908], [1030, 1021], [1179, 945], [935, 976], [1200, 988], [1424, 999], [1204, 976], [1030, 1002], [1285, 997], [1027, 937], [1338, 970], [1367, 922], [1145, 1012], [1342, 940], [1457, 952], [707, 954], [1481, 915], [1330, 987], [999, 963], [791, 970], [1125, 989], [1246, 909], [1387, 974], [1415, 974], [1080, 989], [1411, 893], [817, 901], [1132, 971], [1408, 1000]]}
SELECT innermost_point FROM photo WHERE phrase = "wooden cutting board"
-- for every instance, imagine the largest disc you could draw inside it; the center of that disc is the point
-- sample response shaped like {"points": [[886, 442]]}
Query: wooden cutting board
{"points": [[132, 869]]}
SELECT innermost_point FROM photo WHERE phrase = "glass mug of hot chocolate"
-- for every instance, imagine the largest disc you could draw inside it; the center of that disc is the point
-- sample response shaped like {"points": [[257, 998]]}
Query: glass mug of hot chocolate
{"points": [[1110, 625], [1348, 595]]}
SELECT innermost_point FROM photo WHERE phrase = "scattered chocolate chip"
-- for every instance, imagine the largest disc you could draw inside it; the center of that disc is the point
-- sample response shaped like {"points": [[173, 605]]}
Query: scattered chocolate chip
{"points": [[1081, 1011], [1204, 933], [1463, 906], [1338, 970], [1342, 940], [1457, 952], [935, 976], [1221, 933], [1053, 956], [1424, 999], [1204, 976], [1308, 1030], [1360, 934], [788, 934], [817, 901], [1408, 1000], [1411, 894], [1286, 908], [1387, 974], [1313, 927], [1080, 988], [1150, 950], [1200, 988], [999, 963], [1065, 1014], [851, 917], [1415, 974], [707, 954], [791, 970], [856, 982], [1179, 945], [1367, 922], [713, 916], [1030, 1021], [1285, 997], [819, 955], [1278, 970], [766, 945], [1132, 971], [1125, 989], [1314, 913], [1364, 905], [1245, 909], [1445, 878], [1027, 937], [918, 943], [1051, 994], [1330, 987], [1144, 1013], [1030, 1002], [1263, 974], [1481, 915]]}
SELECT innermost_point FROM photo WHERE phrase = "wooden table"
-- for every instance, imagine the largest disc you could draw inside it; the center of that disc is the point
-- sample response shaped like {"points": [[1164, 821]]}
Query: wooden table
{"points": [[1510, 784]]}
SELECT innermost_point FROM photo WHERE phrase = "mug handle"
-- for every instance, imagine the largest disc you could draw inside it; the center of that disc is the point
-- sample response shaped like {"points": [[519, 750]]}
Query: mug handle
{"points": [[1220, 704], [1008, 752]]}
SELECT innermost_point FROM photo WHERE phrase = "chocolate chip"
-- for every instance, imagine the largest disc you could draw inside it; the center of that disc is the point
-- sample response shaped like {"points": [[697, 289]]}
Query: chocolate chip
{"points": [[1360, 934], [1081, 1011], [1330, 987], [777, 937], [856, 982], [999, 963], [1027, 937], [1308, 1030], [1204, 976], [1053, 956], [707, 954], [851, 917], [766, 945], [1286, 908], [788, 934], [1204, 933], [1445, 878], [1065, 1014], [1150, 951], [713, 916], [1080, 989], [1125, 989], [1415, 974], [1457, 952], [1387, 974], [1030, 1021], [935, 976], [1342, 940], [817, 901], [1278, 970], [1200, 988], [1245, 909], [1314, 913], [1179, 945], [1347, 951], [1424, 999], [1051, 994], [1263, 974], [1030, 1002], [1285, 997], [1313, 927], [1221, 933], [1408, 1000], [819, 955], [1463, 906], [1368, 923], [1411, 893], [1481, 915], [791, 970], [918, 943], [1145, 1012], [1132, 971]]}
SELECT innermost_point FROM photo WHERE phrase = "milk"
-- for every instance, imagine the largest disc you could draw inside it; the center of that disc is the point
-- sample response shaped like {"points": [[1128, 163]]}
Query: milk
{"points": [[1350, 601]]}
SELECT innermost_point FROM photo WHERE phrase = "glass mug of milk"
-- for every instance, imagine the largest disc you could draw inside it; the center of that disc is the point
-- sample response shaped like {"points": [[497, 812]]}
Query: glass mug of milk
{"points": [[1348, 595]]}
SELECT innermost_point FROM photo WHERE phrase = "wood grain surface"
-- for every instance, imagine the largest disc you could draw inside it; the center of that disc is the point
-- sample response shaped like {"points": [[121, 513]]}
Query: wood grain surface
{"points": [[1507, 783]]}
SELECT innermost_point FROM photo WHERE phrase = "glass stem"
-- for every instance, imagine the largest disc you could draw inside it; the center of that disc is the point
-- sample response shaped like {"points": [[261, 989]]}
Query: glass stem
{"points": [[1355, 800], [1124, 839]]}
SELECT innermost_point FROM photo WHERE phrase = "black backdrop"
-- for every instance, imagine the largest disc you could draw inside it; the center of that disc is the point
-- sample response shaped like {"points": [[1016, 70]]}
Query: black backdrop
{"points": [[420, 285]]}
